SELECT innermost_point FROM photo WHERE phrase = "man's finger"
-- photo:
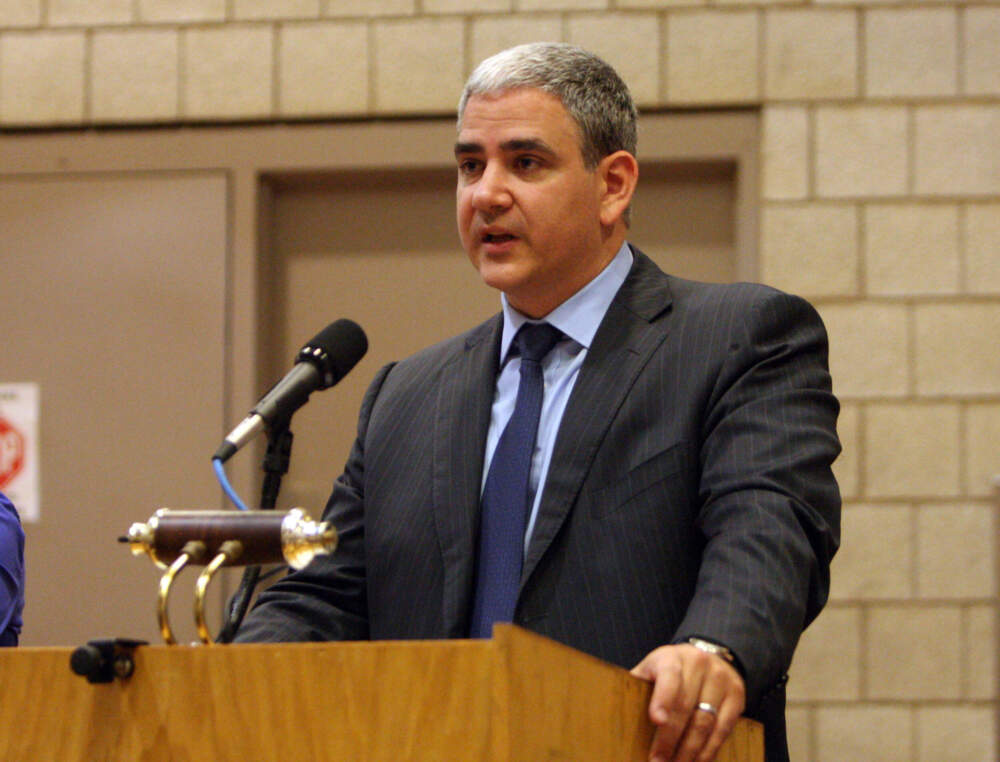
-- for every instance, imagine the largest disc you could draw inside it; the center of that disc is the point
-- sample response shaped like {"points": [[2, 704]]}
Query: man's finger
{"points": [[672, 704], [666, 674], [719, 706], [702, 724], [724, 724]]}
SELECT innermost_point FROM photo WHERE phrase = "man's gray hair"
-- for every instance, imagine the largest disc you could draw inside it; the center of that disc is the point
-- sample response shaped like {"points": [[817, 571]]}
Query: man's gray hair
{"points": [[590, 90]]}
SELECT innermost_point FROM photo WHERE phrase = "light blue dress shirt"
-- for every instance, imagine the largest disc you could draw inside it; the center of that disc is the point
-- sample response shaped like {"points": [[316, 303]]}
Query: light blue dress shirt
{"points": [[578, 318]]}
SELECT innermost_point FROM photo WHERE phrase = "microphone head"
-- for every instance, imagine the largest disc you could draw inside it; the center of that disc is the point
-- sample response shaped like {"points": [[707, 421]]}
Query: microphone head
{"points": [[335, 350]]}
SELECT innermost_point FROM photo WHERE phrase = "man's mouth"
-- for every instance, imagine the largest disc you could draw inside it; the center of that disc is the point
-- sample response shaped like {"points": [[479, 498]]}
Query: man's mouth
{"points": [[497, 237]]}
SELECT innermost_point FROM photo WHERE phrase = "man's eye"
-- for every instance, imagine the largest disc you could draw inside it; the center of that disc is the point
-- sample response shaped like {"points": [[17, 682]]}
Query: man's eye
{"points": [[468, 167], [526, 163]]}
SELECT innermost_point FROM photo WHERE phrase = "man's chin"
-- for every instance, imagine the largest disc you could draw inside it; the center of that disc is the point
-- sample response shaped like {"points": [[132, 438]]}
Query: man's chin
{"points": [[502, 277]]}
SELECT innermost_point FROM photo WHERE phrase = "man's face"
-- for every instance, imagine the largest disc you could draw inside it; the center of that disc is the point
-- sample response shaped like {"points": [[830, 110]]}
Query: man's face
{"points": [[528, 210]]}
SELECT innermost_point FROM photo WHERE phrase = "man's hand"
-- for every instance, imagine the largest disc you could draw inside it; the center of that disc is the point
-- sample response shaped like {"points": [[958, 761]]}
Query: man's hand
{"points": [[688, 684]]}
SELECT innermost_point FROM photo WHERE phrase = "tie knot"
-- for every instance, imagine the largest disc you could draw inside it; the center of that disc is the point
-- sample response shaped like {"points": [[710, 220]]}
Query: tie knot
{"points": [[535, 340]]}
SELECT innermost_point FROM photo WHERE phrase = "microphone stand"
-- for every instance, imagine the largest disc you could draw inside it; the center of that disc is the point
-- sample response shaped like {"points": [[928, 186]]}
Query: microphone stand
{"points": [[275, 466]]}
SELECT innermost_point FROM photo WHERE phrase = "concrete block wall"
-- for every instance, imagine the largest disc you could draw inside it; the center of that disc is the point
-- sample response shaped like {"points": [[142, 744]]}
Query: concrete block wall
{"points": [[880, 202]]}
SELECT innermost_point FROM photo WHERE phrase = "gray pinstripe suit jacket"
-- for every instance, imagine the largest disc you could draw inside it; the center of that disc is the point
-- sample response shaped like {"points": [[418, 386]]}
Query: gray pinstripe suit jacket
{"points": [[690, 491]]}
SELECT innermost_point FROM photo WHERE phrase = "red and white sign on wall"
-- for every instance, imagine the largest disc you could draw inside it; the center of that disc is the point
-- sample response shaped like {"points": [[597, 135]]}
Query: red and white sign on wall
{"points": [[19, 447], [11, 452]]}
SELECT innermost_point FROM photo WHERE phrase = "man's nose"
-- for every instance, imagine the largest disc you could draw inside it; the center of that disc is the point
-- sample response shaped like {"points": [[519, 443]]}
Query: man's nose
{"points": [[492, 189]]}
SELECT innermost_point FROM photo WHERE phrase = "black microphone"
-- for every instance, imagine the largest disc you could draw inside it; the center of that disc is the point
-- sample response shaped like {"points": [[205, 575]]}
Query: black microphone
{"points": [[319, 365]]}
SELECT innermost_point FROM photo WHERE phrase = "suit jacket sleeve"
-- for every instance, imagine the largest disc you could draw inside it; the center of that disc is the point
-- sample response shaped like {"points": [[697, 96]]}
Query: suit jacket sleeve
{"points": [[769, 506], [326, 600]]}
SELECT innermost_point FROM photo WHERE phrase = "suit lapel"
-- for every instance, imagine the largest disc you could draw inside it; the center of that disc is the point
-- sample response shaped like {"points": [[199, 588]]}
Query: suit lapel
{"points": [[461, 423], [634, 326]]}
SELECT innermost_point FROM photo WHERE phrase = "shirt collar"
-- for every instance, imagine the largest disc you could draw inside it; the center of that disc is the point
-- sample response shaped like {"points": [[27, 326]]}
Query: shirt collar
{"points": [[580, 315]]}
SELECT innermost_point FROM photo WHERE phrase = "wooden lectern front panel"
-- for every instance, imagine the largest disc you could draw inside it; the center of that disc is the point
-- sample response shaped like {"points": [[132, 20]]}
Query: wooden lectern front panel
{"points": [[514, 698]]}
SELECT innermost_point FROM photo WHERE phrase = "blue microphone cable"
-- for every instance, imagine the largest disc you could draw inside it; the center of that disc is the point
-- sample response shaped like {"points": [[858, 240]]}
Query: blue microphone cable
{"points": [[220, 474]]}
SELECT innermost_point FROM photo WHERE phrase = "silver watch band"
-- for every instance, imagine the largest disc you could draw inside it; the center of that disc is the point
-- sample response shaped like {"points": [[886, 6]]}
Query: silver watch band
{"points": [[712, 648]]}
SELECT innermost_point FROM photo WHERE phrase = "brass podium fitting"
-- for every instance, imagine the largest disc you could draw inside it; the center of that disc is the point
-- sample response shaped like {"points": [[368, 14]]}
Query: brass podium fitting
{"points": [[228, 552], [267, 537], [174, 539], [192, 551]]}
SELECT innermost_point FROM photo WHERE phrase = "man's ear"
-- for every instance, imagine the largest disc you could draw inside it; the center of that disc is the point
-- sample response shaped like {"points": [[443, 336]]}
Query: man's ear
{"points": [[619, 174]]}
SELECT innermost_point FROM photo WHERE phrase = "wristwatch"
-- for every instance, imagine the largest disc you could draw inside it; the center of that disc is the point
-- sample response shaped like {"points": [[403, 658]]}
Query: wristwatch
{"points": [[712, 648]]}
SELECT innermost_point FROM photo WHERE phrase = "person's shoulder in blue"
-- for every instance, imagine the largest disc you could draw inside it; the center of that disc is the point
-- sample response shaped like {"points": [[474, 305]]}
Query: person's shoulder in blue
{"points": [[11, 573]]}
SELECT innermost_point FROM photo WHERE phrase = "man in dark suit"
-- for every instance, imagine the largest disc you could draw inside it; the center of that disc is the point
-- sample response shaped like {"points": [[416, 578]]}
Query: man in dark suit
{"points": [[680, 512]]}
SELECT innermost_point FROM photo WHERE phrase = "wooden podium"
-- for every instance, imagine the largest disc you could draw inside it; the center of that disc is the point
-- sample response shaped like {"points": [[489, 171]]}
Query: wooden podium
{"points": [[518, 697]]}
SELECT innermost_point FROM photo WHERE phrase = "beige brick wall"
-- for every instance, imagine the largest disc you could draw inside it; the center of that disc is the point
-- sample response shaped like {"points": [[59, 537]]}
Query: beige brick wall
{"points": [[880, 201]]}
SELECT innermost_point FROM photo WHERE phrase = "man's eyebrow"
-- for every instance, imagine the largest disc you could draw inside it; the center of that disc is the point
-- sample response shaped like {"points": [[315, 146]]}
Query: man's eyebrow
{"points": [[508, 146], [527, 144], [463, 148]]}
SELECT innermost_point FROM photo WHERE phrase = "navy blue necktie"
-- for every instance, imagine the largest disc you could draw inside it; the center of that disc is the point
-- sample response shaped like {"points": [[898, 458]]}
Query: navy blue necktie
{"points": [[505, 495]]}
